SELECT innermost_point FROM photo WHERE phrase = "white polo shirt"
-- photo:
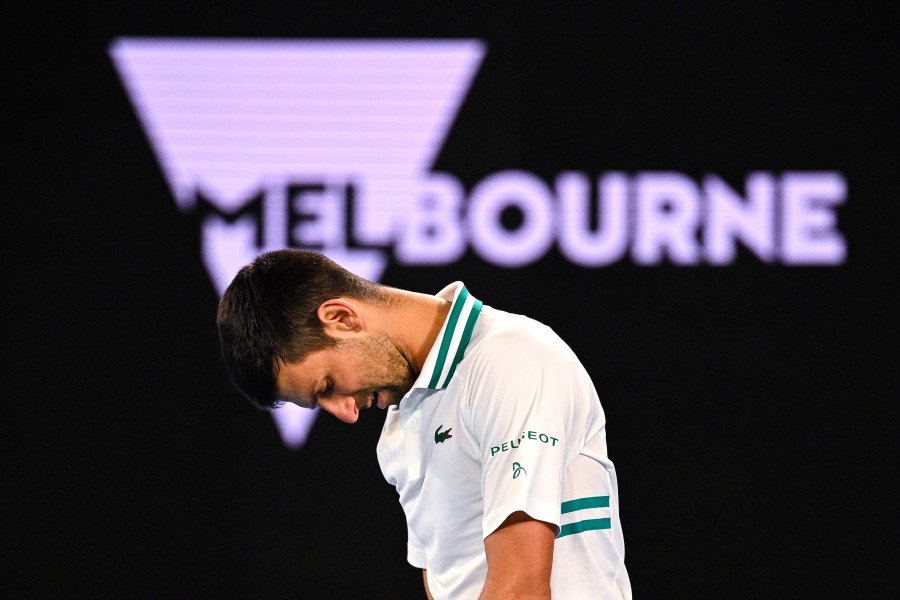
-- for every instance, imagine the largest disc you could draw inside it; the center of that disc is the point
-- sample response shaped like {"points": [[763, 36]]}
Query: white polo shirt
{"points": [[502, 418]]}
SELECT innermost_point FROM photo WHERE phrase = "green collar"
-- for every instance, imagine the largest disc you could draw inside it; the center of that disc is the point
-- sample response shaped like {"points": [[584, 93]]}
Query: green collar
{"points": [[451, 344]]}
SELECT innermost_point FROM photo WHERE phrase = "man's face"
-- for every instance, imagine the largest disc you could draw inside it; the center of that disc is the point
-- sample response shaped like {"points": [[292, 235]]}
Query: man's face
{"points": [[363, 371]]}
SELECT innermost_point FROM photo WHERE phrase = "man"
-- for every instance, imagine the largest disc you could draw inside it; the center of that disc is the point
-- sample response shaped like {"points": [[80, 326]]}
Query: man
{"points": [[494, 435]]}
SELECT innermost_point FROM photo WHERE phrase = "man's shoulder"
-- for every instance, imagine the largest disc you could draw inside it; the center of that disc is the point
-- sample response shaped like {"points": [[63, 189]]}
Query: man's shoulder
{"points": [[512, 338], [500, 325]]}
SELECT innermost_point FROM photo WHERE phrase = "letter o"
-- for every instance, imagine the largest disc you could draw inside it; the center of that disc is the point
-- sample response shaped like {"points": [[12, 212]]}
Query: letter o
{"points": [[490, 197]]}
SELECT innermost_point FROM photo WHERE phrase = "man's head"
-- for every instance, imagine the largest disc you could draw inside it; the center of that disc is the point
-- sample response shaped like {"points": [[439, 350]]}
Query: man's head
{"points": [[270, 316]]}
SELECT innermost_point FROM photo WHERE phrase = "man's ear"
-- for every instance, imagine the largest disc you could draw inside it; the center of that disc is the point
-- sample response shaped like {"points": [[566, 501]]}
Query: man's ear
{"points": [[340, 317]]}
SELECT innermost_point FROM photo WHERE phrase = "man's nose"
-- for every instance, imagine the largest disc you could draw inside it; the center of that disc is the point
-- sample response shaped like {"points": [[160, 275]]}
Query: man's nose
{"points": [[343, 407]]}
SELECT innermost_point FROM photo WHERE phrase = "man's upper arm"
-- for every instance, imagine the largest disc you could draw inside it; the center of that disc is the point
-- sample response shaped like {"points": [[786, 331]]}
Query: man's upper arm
{"points": [[527, 395], [519, 556], [425, 582], [521, 410]]}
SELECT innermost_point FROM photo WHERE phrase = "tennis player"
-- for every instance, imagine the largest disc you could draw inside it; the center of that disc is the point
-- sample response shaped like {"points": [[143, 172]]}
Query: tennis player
{"points": [[494, 436]]}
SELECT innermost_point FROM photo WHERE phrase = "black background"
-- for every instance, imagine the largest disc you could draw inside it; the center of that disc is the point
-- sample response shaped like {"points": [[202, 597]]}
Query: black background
{"points": [[749, 406]]}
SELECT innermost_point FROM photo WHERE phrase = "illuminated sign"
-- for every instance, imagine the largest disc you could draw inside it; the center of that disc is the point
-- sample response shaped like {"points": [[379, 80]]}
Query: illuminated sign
{"points": [[329, 145]]}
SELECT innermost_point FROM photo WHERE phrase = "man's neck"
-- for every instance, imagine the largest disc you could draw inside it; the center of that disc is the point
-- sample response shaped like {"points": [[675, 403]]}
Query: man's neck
{"points": [[414, 321]]}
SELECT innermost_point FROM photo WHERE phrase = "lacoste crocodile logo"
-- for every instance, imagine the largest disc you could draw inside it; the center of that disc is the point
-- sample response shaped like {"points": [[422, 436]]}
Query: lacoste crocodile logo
{"points": [[441, 436]]}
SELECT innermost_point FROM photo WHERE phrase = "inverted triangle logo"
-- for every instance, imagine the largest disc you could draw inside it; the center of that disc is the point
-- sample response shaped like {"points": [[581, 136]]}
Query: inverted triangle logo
{"points": [[322, 144]]}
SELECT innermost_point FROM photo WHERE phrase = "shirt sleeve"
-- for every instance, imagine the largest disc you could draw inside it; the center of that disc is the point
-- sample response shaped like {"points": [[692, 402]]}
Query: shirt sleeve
{"points": [[524, 405], [415, 551]]}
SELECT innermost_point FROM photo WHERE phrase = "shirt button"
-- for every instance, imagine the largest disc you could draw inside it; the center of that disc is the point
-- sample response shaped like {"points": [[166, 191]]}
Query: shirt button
{"points": [[413, 423]]}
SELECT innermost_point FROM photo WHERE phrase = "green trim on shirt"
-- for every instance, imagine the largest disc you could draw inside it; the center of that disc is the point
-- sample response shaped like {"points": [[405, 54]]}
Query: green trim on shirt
{"points": [[448, 337], [467, 334], [583, 503], [582, 526], [570, 506], [447, 349]]}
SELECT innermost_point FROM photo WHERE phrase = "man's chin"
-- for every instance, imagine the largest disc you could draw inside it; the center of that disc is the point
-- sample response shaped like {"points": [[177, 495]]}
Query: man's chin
{"points": [[390, 396], [385, 400]]}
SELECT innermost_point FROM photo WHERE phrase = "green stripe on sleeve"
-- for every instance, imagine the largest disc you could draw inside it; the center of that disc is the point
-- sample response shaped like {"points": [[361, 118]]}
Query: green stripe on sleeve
{"points": [[448, 336], [464, 341], [582, 503], [581, 526]]}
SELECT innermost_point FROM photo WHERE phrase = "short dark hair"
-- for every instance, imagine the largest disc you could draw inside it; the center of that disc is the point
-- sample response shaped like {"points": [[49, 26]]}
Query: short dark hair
{"points": [[268, 315]]}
